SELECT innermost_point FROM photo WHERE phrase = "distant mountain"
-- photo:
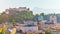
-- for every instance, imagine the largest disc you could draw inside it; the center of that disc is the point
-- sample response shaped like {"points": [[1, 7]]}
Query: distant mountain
{"points": [[37, 10]]}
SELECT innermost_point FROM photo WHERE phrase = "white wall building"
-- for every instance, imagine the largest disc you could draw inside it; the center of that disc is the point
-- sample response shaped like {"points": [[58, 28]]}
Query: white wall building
{"points": [[53, 19]]}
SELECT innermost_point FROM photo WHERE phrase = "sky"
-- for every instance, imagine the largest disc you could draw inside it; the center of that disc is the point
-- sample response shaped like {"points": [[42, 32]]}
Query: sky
{"points": [[44, 4]]}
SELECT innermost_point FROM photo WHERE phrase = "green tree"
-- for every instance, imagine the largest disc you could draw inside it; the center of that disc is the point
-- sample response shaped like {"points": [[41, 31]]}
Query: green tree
{"points": [[23, 16], [35, 18], [42, 14], [14, 23], [47, 32], [4, 17]]}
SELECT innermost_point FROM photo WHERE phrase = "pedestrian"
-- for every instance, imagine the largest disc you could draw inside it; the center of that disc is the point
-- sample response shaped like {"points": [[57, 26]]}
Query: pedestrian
{"points": [[21, 32]]}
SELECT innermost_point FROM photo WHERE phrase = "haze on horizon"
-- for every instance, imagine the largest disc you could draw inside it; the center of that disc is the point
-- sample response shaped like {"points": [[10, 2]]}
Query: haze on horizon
{"points": [[44, 4]]}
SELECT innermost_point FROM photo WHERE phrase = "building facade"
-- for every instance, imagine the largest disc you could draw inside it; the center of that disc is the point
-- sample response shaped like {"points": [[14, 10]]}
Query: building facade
{"points": [[12, 11]]}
